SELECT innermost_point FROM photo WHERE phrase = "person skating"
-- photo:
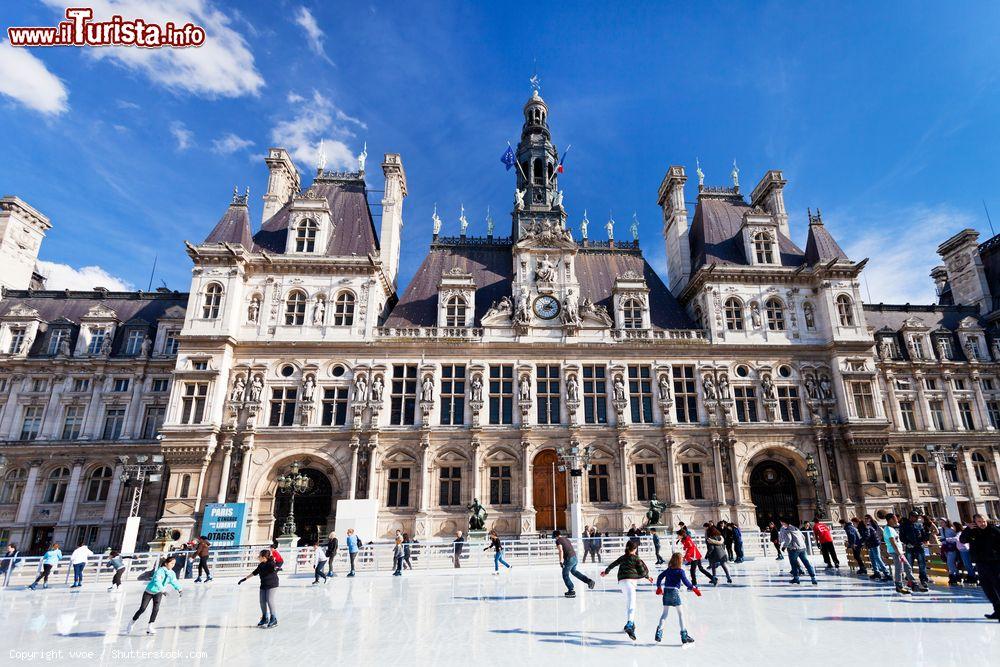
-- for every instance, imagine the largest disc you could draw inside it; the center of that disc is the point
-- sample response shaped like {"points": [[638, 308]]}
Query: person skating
{"points": [[319, 563], [824, 537], [331, 553], [353, 546], [117, 563], [668, 585], [598, 545], [692, 556], [201, 551], [279, 562], [737, 541], [456, 546], [728, 538], [716, 553], [984, 549], [78, 559], [854, 543], [407, 553], [397, 556], [567, 561], [656, 547], [871, 535], [10, 559], [794, 542], [631, 570], [50, 560], [267, 570], [900, 565], [497, 547], [914, 536], [963, 554], [162, 577], [774, 533]]}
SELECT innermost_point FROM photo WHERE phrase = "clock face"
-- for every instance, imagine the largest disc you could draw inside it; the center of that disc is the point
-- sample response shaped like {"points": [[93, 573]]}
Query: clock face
{"points": [[546, 307]]}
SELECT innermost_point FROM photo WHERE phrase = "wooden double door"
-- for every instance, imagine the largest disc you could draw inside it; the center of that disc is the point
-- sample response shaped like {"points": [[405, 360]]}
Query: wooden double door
{"points": [[549, 491]]}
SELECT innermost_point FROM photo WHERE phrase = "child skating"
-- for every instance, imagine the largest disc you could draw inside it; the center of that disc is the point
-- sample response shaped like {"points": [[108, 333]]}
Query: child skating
{"points": [[668, 584], [267, 570], [155, 590], [631, 570]]}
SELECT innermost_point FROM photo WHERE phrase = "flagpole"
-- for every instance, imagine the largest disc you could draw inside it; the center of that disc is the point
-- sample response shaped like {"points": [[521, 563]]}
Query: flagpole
{"points": [[519, 167], [556, 171]]}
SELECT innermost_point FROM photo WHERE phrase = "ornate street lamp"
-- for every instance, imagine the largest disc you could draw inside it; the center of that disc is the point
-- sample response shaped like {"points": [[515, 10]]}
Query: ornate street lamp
{"points": [[136, 471], [294, 483], [946, 461], [576, 458], [812, 472]]}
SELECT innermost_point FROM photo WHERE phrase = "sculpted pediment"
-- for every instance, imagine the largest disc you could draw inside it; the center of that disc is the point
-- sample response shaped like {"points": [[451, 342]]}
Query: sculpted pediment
{"points": [[173, 313], [101, 312], [21, 310]]}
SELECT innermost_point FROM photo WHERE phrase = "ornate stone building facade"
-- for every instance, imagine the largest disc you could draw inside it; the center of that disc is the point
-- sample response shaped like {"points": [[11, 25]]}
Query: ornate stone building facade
{"points": [[757, 383]]}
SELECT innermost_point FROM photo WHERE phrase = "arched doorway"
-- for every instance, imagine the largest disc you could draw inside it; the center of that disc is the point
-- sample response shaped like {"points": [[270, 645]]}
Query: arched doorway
{"points": [[549, 491], [312, 509], [772, 490]]}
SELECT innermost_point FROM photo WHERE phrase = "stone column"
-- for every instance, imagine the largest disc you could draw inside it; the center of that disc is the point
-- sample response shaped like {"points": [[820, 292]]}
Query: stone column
{"points": [[241, 495], [720, 485], [734, 476], [227, 459], [426, 472], [527, 481], [890, 390], [30, 492], [51, 420], [956, 418], [71, 500], [133, 412], [92, 425], [373, 465], [972, 484], [111, 504], [825, 474], [668, 461], [353, 492], [984, 416], [911, 479], [923, 403], [477, 474]]}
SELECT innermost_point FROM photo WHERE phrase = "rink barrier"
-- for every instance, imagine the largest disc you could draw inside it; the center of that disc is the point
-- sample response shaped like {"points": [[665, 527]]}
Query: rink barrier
{"points": [[378, 557]]}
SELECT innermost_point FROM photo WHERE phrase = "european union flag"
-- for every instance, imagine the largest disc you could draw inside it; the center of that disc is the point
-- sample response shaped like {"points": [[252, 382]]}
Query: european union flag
{"points": [[508, 158]]}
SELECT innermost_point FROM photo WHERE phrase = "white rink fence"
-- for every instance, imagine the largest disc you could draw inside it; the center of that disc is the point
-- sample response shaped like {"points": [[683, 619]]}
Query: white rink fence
{"points": [[378, 557]]}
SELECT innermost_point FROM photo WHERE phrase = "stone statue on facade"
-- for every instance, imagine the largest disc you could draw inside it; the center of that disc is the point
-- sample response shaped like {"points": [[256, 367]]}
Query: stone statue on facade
{"points": [[572, 389], [767, 386], [377, 387], [477, 387], [522, 315], [362, 158], [64, 350], [545, 270], [319, 312], [884, 351], [360, 387], [503, 307], [723, 386], [708, 387], [436, 219], [308, 388], [996, 350], [825, 388], [105, 345], [634, 227], [256, 388], [557, 199], [811, 389], [477, 516], [583, 225], [755, 317], [736, 175], [253, 310], [699, 172], [519, 199], [147, 347], [610, 227], [942, 351], [239, 388], [427, 389], [463, 222], [655, 511], [971, 352], [810, 316], [524, 388], [664, 387], [571, 309], [620, 393]]}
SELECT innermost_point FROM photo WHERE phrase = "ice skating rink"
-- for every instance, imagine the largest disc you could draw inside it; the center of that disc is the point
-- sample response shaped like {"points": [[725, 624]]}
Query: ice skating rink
{"points": [[470, 617]]}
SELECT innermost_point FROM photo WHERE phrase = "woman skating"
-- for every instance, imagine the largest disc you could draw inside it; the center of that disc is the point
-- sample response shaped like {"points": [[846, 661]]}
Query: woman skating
{"points": [[717, 555], [319, 563], [497, 552], [668, 584], [117, 563], [397, 557], [692, 556], [155, 590], [268, 573], [49, 560], [631, 570], [407, 564]]}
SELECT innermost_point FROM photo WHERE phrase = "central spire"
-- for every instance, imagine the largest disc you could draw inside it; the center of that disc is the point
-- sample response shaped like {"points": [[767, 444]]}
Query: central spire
{"points": [[538, 193]]}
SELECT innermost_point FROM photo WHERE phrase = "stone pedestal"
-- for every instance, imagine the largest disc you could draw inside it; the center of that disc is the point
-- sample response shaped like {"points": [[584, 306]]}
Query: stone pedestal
{"points": [[287, 542], [477, 536]]}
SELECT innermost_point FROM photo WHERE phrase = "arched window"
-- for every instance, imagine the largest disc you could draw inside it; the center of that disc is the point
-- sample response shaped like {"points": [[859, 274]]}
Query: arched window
{"points": [[213, 301], [538, 172], [845, 310], [99, 484], [980, 467], [775, 311], [734, 314], [295, 308], [920, 472], [763, 248], [343, 312], [185, 489], [55, 489], [455, 312], [305, 236], [890, 475], [13, 487], [631, 314]]}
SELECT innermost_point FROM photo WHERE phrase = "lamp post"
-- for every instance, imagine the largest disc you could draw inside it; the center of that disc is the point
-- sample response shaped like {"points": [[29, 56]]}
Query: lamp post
{"points": [[576, 458], [946, 460], [136, 471], [294, 483], [812, 472]]}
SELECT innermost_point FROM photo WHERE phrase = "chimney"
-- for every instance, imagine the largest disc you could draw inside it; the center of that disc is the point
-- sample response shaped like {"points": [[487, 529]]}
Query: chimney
{"points": [[392, 215], [282, 183], [675, 228], [769, 196]]}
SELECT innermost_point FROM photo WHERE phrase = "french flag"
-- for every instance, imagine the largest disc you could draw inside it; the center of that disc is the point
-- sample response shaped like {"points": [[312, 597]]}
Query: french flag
{"points": [[559, 167]]}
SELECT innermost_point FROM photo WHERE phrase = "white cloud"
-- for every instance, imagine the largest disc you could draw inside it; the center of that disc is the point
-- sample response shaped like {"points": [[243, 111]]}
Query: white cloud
{"points": [[126, 104], [26, 79], [63, 276], [318, 120], [221, 67], [230, 143], [183, 135], [307, 22], [902, 249]]}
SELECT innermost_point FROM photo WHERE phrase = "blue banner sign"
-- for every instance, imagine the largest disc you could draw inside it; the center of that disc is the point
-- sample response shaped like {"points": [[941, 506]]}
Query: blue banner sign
{"points": [[223, 523]]}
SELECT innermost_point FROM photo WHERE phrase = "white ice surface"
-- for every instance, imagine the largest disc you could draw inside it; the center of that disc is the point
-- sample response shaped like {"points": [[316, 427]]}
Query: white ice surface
{"points": [[470, 617]]}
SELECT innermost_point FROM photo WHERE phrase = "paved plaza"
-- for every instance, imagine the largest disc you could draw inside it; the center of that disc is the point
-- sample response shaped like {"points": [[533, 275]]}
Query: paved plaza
{"points": [[472, 617]]}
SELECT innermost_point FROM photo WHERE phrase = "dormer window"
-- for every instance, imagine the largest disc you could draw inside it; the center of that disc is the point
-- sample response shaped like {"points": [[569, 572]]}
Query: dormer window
{"points": [[734, 314], [295, 308], [305, 236], [97, 337], [56, 338], [133, 344], [763, 248], [343, 312], [456, 312], [845, 310], [212, 302], [775, 311], [631, 314], [17, 337]]}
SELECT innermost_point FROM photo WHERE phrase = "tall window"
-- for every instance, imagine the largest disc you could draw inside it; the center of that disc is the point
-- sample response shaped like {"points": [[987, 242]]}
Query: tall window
{"points": [[56, 339], [500, 485], [864, 402], [451, 486], [789, 405], [746, 404], [283, 406], [13, 486], [944, 344], [685, 395], [453, 394], [305, 236], [193, 402], [763, 249], [645, 481], [171, 341], [640, 388], [965, 411], [399, 487], [775, 311], [595, 395], [845, 310], [212, 302], [980, 467], [152, 421], [920, 468], [909, 418], [120, 385], [185, 489], [937, 414], [734, 314], [502, 394], [598, 483], [455, 311], [99, 484], [547, 395], [295, 308], [343, 310], [691, 476], [133, 343], [55, 488], [17, 336], [72, 422], [631, 314], [97, 337], [404, 394], [890, 473], [993, 408], [114, 421], [31, 425], [334, 406]]}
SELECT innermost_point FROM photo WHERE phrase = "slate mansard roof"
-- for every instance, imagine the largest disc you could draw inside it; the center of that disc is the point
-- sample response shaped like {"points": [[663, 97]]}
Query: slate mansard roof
{"points": [[888, 320]]}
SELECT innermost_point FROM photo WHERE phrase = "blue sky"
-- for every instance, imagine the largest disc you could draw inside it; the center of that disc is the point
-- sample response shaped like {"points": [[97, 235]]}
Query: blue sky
{"points": [[881, 114]]}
